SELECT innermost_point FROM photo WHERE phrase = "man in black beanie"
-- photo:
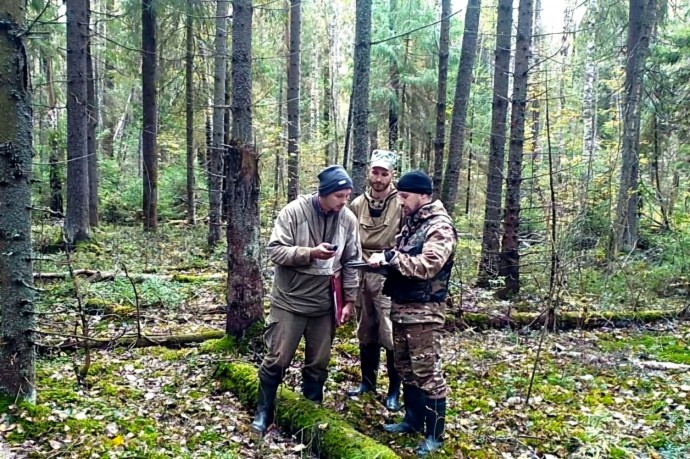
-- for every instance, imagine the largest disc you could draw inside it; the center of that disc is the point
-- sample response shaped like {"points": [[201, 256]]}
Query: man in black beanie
{"points": [[312, 239], [419, 271]]}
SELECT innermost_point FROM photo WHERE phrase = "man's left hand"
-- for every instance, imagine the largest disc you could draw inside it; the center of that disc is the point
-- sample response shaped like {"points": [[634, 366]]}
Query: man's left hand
{"points": [[347, 311], [377, 259]]}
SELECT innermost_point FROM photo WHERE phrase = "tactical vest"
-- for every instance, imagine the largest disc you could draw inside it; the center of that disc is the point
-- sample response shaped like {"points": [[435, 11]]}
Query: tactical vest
{"points": [[403, 289]]}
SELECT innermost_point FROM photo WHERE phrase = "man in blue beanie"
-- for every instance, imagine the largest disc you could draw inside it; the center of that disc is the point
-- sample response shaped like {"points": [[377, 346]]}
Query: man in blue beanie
{"points": [[312, 239], [419, 268]]}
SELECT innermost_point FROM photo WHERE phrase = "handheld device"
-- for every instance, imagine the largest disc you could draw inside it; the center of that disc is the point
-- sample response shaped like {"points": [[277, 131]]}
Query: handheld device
{"points": [[333, 247]]}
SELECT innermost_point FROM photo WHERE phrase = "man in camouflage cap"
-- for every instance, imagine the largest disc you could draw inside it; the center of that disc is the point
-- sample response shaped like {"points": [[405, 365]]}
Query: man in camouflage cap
{"points": [[419, 271], [379, 216]]}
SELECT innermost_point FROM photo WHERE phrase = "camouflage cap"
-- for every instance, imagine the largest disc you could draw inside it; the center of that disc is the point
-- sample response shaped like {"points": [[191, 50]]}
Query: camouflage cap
{"points": [[384, 158]]}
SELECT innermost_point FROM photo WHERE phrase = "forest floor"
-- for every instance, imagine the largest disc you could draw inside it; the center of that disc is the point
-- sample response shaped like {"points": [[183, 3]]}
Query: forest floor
{"points": [[619, 393]]}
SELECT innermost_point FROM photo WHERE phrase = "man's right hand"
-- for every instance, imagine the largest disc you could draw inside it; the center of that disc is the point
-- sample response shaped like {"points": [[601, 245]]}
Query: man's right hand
{"points": [[321, 252]]}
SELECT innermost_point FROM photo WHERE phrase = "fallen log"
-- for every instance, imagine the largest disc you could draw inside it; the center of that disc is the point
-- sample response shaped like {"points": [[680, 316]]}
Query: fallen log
{"points": [[174, 341], [328, 433], [564, 320], [661, 366], [92, 275]]}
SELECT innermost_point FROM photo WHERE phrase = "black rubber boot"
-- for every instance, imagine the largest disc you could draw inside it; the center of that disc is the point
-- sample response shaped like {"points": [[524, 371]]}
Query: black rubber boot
{"points": [[393, 397], [312, 390], [265, 409], [435, 420], [413, 421], [370, 356]]}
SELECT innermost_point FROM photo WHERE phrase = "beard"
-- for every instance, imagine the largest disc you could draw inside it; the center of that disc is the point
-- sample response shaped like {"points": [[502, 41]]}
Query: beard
{"points": [[378, 186]]}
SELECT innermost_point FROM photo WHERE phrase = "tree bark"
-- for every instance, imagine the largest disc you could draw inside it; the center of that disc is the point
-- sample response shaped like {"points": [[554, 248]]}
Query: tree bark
{"points": [[394, 103], [92, 125], [642, 17], [348, 134], [245, 287], [360, 96], [293, 99], [215, 158], [150, 115], [510, 256], [440, 142], [189, 112], [55, 179], [77, 218], [463, 85], [17, 319], [589, 103], [489, 263]]}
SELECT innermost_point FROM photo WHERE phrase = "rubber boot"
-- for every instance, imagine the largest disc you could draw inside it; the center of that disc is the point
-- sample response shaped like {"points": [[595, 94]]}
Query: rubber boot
{"points": [[413, 421], [435, 420], [312, 390], [265, 409], [393, 397], [370, 356]]}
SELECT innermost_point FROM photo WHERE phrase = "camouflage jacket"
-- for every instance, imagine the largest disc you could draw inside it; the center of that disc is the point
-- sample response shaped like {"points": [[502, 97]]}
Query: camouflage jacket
{"points": [[430, 228]]}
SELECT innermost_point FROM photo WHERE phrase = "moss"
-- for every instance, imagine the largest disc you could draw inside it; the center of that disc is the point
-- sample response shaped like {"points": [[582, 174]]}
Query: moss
{"points": [[191, 278], [664, 348], [5, 403], [330, 436]]}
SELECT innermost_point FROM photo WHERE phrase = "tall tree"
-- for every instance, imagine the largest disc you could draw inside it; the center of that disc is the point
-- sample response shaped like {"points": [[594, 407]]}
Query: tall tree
{"points": [[245, 286], [589, 101], [510, 257], [394, 103], [56, 202], [440, 142], [92, 124], [462, 94], [149, 134], [641, 20], [360, 95], [108, 115], [77, 218], [293, 98], [189, 111], [489, 263], [17, 319], [215, 160]]}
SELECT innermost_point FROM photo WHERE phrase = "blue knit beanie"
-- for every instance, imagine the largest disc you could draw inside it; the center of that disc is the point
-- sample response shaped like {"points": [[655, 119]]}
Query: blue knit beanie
{"points": [[415, 182], [332, 179]]}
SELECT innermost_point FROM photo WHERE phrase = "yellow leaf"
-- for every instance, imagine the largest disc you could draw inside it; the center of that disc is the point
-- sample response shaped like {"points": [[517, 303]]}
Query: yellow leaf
{"points": [[118, 441]]}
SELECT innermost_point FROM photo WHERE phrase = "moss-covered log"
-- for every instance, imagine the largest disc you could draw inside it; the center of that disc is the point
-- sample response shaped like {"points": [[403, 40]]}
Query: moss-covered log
{"points": [[563, 320], [329, 435], [100, 276], [173, 341]]}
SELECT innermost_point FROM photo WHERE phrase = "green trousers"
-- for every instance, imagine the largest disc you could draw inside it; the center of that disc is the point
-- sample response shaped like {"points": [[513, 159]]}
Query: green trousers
{"points": [[284, 331]]}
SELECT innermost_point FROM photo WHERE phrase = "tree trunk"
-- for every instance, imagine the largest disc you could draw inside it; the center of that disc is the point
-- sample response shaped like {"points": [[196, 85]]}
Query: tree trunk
{"points": [[463, 84], [348, 134], [440, 143], [293, 99], [55, 179], [326, 130], [108, 99], [489, 263], [16, 278], [360, 96], [215, 158], [150, 115], [589, 103], [92, 125], [245, 288], [77, 218], [641, 21], [189, 106], [535, 157], [373, 136], [510, 256], [394, 103]]}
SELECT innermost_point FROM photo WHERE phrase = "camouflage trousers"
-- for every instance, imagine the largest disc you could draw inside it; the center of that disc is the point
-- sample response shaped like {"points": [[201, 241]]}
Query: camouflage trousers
{"points": [[284, 331], [418, 356], [373, 310]]}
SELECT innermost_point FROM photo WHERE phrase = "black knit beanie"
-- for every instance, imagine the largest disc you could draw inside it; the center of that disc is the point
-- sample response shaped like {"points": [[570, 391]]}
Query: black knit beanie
{"points": [[332, 179], [415, 182]]}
